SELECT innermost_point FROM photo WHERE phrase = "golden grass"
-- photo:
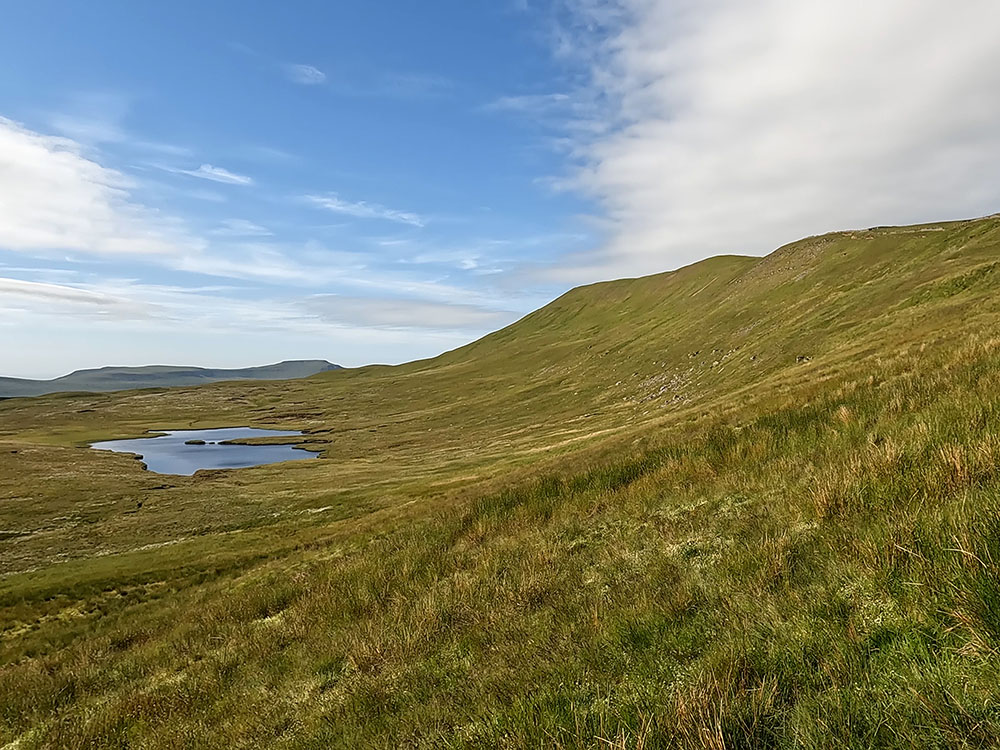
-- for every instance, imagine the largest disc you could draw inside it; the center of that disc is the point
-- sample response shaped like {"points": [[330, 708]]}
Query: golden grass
{"points": [[578, 532]]}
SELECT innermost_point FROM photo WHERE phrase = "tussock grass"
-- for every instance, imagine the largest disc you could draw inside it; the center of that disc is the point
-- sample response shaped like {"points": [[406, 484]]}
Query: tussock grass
{"points": [[804, 555]]}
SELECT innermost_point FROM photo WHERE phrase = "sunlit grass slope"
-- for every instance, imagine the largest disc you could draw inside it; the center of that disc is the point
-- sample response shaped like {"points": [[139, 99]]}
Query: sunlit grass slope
{"points": [[750, 503]]}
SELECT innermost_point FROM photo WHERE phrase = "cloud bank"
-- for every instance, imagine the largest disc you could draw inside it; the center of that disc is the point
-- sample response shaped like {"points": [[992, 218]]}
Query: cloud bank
{"points": [[738, 125], [52, 197], [13, 291]]}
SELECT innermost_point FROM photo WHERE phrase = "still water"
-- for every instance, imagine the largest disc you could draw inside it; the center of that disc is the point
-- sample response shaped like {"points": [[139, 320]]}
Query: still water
{"points": [[173, 452]]}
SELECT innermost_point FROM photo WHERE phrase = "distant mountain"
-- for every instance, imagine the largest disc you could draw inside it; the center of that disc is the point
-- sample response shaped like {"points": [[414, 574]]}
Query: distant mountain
{"points": [[158, 376]]}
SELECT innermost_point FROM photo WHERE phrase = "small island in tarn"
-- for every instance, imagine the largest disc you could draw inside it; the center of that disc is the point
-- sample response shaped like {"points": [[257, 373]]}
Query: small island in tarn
{"points": [[184, 452]]}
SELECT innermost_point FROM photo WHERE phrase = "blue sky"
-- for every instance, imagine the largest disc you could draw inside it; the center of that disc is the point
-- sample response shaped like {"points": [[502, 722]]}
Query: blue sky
{"points": [[235, 183], [348, 160]]}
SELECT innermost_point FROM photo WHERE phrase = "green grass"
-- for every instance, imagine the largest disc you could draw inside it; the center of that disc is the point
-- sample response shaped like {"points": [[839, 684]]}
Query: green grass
{"points": [[632, 519]]}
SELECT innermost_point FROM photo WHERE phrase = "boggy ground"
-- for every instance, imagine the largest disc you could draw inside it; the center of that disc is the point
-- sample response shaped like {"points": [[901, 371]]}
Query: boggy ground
{"points": [[752, 503]]}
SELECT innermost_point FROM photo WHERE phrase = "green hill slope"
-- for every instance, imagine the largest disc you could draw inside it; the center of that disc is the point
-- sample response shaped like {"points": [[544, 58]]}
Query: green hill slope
{"points": [[749, 503], [157, 376]]}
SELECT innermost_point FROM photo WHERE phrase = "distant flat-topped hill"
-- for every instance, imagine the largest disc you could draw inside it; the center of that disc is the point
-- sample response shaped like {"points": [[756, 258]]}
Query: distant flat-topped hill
{"points": [[158, 376]]}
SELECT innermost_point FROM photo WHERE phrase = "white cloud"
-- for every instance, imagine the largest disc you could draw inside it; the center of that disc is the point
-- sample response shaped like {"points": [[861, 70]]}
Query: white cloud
{"points": [[126, 321], [737, 125], [530, 103], [98, 117], [215, 174], [54, 198], [89, 129], [93, 117], [405, 313], [241, 228], [256, 262], [365, 210], [96, 130], [33, 292], [463, 260], [305, 75]]}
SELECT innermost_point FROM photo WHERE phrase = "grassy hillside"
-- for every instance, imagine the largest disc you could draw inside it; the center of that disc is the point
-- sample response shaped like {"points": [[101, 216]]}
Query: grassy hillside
{"points": [[157, 376], [750, 503]]}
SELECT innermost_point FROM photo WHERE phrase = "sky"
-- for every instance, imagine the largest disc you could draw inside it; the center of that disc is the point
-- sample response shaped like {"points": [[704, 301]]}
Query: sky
{"points": [[232, 183]]}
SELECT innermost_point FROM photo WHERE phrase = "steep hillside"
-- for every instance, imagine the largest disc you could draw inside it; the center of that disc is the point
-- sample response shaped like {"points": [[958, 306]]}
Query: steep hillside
{"points": [[157, 376], [749, 503]]}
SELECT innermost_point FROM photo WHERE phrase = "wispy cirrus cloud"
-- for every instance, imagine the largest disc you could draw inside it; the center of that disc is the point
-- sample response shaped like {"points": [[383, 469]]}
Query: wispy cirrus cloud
{"points": [[215, 174], [241, 228], [229, 330], [365, 210], [298, 73], [305, 75], [386, 312], [530, 103], [256, 262], [47, 294], [128, 299], [208, 172], [95, 118], [98, 130]]}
